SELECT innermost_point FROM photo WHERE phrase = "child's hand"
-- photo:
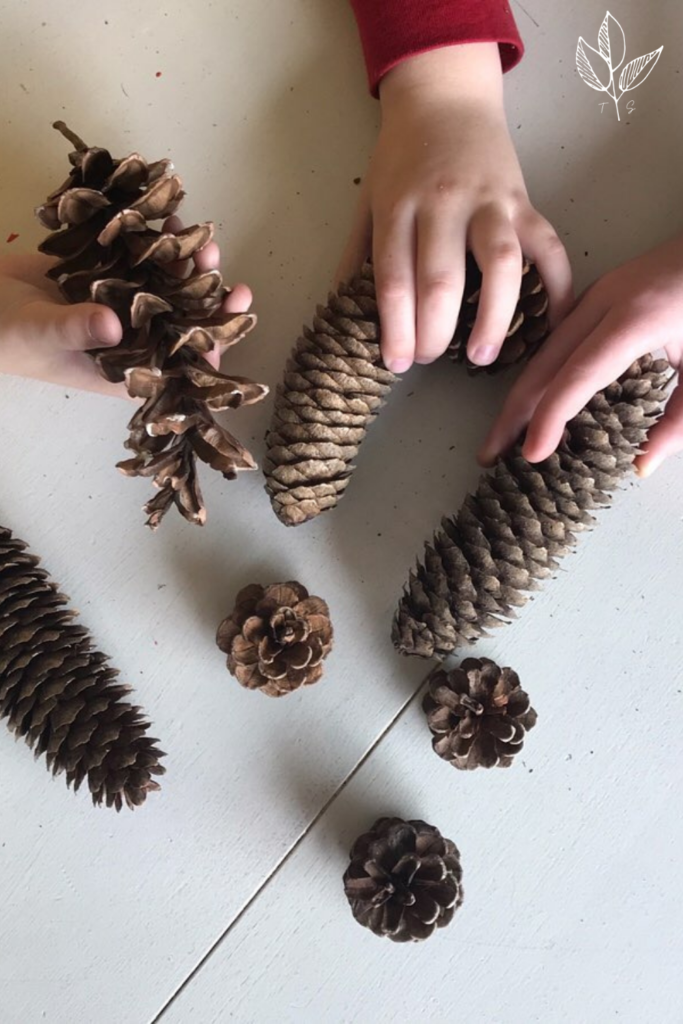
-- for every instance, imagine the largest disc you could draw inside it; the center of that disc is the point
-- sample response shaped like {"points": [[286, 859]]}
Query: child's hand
{"points": [[444, 178], [634, 309], [43, 337]]}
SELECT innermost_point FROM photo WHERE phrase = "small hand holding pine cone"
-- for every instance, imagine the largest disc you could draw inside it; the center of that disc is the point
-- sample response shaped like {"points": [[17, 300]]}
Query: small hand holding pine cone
{"points": [[277, 638], [478, 714], [335, 385], [404, 880], [107, 252], [61, 695]]}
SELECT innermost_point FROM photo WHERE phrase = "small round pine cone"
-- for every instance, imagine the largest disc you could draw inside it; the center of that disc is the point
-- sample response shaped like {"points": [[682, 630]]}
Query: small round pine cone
{"points": [[478, 714], [277, 638], [404, 880]]}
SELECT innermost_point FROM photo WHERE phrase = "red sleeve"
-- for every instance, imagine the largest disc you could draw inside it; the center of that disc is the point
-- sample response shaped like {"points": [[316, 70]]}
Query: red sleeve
{"points": [[392, 30]]}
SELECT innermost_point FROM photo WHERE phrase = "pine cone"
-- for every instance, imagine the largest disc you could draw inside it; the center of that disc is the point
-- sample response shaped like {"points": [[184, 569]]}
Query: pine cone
{"points": [[335, 385], [404, 880], [478, 714], [277, 638], [523, 518], [61, 695], [529, 327], [108, 253]]}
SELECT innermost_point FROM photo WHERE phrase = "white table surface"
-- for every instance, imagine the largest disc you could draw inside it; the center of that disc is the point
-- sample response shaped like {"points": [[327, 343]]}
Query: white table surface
{"points": [[221, 899]]}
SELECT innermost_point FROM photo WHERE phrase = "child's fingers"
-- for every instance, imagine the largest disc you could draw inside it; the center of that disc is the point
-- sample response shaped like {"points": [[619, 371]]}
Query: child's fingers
{"points": [[541, 244], [496, 248], [603, 356], [239, 300], [531, 386], [30, 268], [52, 325], [666, 437], [78, 370], [205, 259], [171, 226], [440, 283], [359, 244], [394, 258], [208, 258]]}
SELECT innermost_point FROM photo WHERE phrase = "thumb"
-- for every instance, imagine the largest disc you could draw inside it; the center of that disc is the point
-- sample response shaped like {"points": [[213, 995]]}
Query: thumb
{"points": [[70, 328], [359, 244], [665, 438]]}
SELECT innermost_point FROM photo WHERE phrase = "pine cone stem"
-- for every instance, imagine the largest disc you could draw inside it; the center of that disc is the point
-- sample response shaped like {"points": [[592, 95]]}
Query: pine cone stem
{"points": [[75, 140]]}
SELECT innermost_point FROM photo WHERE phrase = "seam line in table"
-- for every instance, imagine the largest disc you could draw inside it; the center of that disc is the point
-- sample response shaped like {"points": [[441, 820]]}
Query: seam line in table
{"points": [[293, 848]]}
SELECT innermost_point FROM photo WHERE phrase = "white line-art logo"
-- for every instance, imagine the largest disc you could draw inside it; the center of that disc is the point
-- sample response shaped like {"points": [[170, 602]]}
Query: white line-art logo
{"points": [[611, 53]]}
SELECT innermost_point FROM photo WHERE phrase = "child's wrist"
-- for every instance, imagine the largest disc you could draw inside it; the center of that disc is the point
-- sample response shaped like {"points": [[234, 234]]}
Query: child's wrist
{"points": [[470, 72]]}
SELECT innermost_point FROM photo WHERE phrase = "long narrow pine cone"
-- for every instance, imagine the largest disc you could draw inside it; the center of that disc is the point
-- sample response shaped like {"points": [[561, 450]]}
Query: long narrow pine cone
{"points": [[478, 714], [108, 252], [523, 518], [404, 880], [335, 385], [62, 695]]}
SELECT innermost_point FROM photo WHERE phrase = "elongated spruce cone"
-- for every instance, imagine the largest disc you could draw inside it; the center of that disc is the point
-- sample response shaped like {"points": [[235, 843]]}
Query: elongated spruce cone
{"points": [[478, 714], [335, 385], [509, 535], [62, 695], [404, 880], [108, 252]]}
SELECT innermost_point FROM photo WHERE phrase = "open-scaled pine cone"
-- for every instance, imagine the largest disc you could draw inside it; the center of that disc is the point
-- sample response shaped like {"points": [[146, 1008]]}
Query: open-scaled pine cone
{"points": [[478, 714], [277, 638], [108, 251], [404, 880]]}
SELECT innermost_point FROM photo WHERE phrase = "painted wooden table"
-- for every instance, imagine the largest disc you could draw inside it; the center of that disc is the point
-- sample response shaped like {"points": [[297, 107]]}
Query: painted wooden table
{"points": [[221, 899]]}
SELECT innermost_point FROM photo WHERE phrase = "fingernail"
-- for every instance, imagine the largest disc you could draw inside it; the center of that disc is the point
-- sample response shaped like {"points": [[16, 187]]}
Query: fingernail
{"points": [[484, 355], [99, 329], [399, 365]]}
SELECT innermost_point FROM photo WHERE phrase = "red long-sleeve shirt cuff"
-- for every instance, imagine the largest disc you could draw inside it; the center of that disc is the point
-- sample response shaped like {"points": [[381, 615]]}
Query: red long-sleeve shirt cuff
{"points": [[393, 30]]}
